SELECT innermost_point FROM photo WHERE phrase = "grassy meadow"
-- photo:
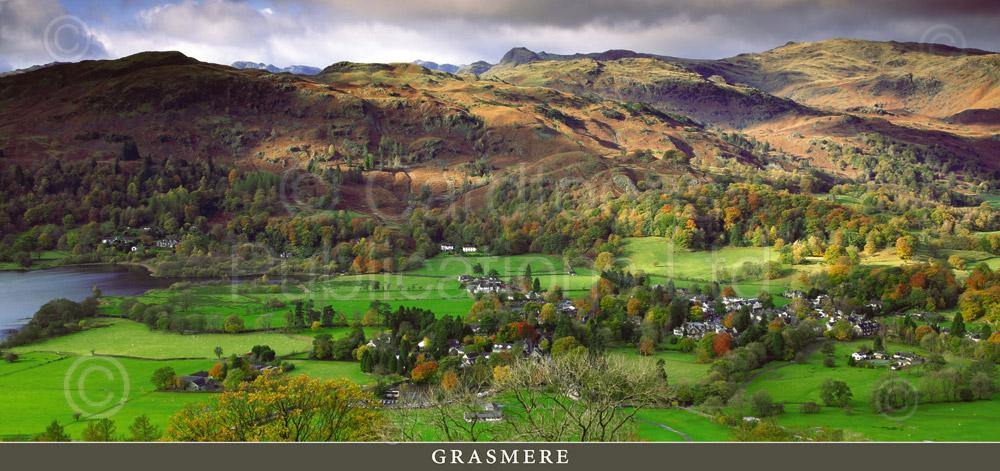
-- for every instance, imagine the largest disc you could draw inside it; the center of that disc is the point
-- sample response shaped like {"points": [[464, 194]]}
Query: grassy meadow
{"points": [[39, 260], [127, 353], [797, 383], [993, 200], [681, 367], [433, 286], [679, 425], [41, 387], [659, 258], [122, 337]]}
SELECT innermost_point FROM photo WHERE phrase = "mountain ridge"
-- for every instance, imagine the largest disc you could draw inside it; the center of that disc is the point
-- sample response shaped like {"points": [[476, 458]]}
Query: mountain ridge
{"points": [[292, 69], [627, 111]]}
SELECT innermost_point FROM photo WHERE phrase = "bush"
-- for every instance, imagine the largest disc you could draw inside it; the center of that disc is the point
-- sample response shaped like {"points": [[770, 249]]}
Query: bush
{"points": [[763, 405], [891, 397], [829, 362], [163, 378], [811, 408], [835, 393], [234, 324]]}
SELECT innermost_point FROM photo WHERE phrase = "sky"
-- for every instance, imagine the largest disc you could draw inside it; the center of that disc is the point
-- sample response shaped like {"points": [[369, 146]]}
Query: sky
{"points": [[321, 32]]}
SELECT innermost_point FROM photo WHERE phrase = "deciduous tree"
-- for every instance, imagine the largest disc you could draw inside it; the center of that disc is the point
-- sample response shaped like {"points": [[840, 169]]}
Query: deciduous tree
{"points": [[281, 408]]}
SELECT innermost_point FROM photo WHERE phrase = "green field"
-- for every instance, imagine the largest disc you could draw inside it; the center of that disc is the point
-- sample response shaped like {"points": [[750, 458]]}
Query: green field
{"points": [[679, 425], [848, 200], [975, 257], [681, 367], [39, 260], [651, 425], [41, 387], [993, 200], [348, 370], [658, 257], [796, 383], [126, 338], [434, 286], [39, 377]]}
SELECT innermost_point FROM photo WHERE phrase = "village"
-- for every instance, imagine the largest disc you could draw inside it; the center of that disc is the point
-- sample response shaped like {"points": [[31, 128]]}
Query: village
{"points": [[133, 240]]}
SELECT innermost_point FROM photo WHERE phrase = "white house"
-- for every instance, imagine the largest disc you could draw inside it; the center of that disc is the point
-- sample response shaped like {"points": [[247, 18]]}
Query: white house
{"points": [[469, 250], [167, 243], [447, 248]]}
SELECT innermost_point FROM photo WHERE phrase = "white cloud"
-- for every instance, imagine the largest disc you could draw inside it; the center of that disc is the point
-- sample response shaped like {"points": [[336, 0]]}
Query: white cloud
{"points": [[320, 32], [40, 31]]}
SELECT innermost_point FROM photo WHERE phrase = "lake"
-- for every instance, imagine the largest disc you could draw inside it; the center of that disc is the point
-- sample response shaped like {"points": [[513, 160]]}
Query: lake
{"points": [[22, 293]]}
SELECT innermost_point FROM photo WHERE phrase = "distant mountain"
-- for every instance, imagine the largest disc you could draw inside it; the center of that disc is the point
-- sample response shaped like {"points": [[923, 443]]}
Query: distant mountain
{"points": [[798, 94], [475, 68], [841, 74], [450, 68], [30, 69], [631, 76], [836, 74], [294, 69], [518, 56]]}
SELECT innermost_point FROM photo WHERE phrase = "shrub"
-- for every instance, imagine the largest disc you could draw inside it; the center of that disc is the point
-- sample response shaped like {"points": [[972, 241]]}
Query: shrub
{"points": [[810, 408], [233, 324], [646, 346], [835, 393], [890, 396], [763, 406], [163, 378]]}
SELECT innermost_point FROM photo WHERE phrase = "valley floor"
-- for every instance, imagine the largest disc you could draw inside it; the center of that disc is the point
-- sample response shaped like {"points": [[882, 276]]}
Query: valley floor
{"points": [[106, 369]]}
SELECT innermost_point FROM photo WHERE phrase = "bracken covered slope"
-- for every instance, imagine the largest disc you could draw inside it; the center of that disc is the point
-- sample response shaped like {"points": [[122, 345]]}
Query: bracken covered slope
{"points": [[439, 129], [932, 80]]}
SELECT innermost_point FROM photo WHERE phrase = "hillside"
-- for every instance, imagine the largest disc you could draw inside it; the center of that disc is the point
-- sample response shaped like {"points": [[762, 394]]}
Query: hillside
{"points": [[630, 76], [406, 127], [797, 96], [842, 74], [440, 130]]}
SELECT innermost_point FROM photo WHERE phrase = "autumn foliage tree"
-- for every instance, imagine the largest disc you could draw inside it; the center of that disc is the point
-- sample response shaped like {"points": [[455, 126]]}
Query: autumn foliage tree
{"points": [[722, 343], [423, 371], [279, 408], [904, 247], [646, 346], [217, 371], [449, 380]]}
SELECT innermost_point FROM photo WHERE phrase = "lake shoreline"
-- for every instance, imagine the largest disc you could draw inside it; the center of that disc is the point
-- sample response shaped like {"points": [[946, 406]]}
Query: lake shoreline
{"points": [[24, 292], [27, 290]]}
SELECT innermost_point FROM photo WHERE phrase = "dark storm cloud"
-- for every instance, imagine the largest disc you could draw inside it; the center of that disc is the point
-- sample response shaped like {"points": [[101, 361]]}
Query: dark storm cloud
{"points": [[569, 13], [320, 32], [693, 28]]}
